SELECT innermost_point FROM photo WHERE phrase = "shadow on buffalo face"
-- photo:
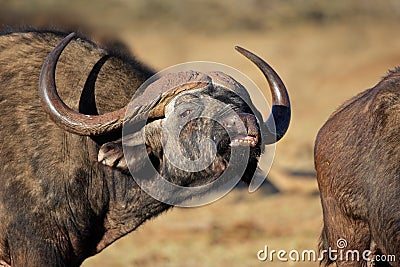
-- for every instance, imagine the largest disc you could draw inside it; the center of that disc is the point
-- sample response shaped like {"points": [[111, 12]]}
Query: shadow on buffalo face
{"points": [[206, 131], [186, 129]]}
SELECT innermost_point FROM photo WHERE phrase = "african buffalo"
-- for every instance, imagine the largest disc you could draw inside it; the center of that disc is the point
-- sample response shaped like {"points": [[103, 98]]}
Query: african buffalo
{"points": [[66, 191], [357, 159]]}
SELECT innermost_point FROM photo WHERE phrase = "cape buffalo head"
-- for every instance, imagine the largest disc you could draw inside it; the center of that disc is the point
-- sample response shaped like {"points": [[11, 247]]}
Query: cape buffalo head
{"points": [[186, 125]]}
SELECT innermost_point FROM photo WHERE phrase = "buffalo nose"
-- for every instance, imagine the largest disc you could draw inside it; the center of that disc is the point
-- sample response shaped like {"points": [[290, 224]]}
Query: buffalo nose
{"points": [[231, 122], [249, 121]]}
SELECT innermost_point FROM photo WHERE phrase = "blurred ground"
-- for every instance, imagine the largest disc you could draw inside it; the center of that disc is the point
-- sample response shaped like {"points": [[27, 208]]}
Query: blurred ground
{"points": [[325, 51]]}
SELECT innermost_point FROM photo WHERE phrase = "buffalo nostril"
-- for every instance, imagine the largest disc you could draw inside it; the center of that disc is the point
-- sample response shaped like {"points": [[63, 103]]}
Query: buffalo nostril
{"points": [[231, 122]]}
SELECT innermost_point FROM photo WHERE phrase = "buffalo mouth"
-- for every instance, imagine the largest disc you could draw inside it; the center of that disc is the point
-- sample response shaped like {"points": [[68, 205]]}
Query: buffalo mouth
{"points": [[243, 140], [237, 136]]}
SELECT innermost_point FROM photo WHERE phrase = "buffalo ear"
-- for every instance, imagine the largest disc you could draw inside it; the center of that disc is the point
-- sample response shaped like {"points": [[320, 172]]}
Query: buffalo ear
{"points": [[111, 154]]}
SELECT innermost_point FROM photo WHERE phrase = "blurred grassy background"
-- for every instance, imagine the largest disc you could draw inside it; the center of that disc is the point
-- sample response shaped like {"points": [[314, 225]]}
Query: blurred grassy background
{"points": [[325, 51], [193, 15]]}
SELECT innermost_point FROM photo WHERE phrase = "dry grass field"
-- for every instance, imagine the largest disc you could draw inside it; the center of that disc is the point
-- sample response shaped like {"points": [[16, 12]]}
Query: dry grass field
{"points": [[325, 51]]}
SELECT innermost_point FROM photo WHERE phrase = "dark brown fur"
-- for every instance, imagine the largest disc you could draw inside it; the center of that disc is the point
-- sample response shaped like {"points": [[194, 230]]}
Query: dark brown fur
{"points": [[58, 205], [357, 158]]}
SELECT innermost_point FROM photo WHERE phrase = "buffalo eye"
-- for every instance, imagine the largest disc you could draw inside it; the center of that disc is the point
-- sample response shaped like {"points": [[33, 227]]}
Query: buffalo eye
{"points": [[185, 113]]}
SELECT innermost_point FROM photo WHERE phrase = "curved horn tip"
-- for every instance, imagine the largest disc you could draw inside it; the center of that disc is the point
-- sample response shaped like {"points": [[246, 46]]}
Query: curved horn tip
{"points": [[243, 51], [56, 52], [240, 49], [67, 39], [72, 34]]}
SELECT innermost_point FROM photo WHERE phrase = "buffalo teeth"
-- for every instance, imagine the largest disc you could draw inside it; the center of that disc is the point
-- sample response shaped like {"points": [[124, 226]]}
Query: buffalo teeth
{"points": [[243, 142]]}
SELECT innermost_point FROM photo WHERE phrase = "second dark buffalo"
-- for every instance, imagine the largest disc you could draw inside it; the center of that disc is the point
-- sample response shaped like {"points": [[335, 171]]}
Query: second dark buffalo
{"points": [[357, 158]]}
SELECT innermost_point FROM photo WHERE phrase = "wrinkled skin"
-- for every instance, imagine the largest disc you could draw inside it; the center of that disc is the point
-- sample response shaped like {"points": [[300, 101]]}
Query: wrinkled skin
{"points": [[357, 156], [65, 197]]}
